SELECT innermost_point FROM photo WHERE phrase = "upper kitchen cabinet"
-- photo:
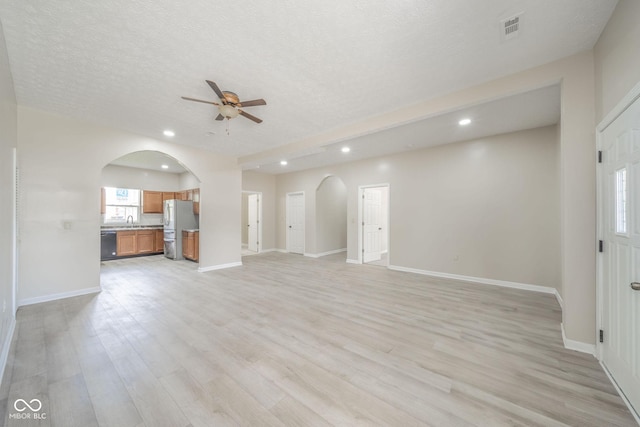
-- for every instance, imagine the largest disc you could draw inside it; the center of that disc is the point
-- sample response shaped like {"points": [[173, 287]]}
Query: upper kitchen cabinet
{"points": [[152, 202], [168, 195], [103, 201]]}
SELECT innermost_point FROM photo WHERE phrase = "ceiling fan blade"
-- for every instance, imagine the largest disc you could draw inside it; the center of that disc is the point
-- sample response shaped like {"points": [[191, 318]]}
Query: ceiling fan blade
{"points": [[217, 90], [220, 117], [199, 100], [253, 103], [250, 117]]}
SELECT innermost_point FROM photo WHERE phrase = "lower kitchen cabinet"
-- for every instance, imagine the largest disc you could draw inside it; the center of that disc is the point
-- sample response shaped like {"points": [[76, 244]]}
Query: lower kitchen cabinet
{"points": [[145, 241], [159, 241], [126, 243], [139, 242], [190, 243]]}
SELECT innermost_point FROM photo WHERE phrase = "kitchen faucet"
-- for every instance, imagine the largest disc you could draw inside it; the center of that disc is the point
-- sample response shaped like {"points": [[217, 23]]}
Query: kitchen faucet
{"points": [[130, 216]]}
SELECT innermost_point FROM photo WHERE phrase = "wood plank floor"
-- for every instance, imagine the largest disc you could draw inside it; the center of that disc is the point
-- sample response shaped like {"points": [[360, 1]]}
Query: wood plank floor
{"points": [[288, 340]]}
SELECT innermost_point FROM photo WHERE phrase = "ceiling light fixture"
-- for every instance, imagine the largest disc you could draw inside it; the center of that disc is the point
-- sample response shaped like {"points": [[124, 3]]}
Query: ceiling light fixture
{"points": [[283, 162], [464, 122], [169, 133], [165, 166], [346, 149]]}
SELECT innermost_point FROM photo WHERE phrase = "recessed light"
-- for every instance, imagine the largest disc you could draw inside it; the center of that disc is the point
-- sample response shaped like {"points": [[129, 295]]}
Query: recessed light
{"points": [[464, 122], [283, 162], [165, 166], [346, 149], [169, 133]]}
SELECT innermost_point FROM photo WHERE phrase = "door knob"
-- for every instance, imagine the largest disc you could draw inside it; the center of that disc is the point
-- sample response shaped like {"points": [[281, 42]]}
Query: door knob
{"points": [[289, 226], [635, 286], [379, 228]]}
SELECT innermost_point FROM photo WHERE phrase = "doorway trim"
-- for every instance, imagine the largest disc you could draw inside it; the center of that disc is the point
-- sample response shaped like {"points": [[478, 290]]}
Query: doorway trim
{"points": [[620, 108], [304, 223], [259, 193], [361, 189]]}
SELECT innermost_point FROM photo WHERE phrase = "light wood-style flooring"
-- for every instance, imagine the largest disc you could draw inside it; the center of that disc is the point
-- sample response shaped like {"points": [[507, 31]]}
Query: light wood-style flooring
{"points": [[295, 341]]}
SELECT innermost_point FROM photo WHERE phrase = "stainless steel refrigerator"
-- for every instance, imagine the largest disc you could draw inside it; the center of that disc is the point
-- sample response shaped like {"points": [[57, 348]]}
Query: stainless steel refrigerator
{"points": [[178, 216]]}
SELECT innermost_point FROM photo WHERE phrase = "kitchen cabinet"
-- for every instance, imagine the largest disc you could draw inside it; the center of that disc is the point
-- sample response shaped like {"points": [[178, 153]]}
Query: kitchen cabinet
{"points": [[190, 241], [126, 243], [181, 195], [168, 195], [145, 241], [159, 240], [139, 242], [152, 202], [196, 245]]}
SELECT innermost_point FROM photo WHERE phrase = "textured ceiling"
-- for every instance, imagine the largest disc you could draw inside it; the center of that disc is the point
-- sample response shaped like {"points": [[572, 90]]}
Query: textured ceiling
{"points": [[320, 65]]}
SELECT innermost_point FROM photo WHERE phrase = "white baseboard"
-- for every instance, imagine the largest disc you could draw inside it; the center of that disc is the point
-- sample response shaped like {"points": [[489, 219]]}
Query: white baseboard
{"points": [[352, 261], [560, 300], [4, 355], [580, 346], [53, 297], [635, 415], [336, 251], [219, 267], [264, 251], [494, 282]]}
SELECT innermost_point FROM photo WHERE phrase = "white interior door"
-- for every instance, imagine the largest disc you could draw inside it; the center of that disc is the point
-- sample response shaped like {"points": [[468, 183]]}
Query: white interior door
{"points": [[620, 229], [295, 223], [253, 222], [372, 225]]}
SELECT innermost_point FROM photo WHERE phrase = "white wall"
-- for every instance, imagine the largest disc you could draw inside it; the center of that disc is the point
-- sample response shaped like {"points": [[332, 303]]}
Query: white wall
{"points": [[617, 62], [265, 184], [330, 215], [188, 181], [142, 179], [486, 208], [8, 141], [61, 161]]}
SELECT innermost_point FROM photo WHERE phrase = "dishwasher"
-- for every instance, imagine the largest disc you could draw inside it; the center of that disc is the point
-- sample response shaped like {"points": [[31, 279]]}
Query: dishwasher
{"points": [[108, 245]]}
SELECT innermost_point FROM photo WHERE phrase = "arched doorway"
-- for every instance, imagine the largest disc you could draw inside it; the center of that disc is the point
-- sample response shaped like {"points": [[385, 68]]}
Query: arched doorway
{"points": [[331, 216], [138, 191]]}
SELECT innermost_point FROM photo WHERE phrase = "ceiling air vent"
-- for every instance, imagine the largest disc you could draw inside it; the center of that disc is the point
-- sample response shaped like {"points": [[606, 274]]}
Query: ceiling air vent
{"points": [[510, 27]]}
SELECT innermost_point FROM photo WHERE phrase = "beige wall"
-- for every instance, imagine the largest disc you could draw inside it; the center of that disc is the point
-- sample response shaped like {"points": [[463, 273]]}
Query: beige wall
{"points": [[8, 141], [487, 208], [265, 184], [331, 215], [61, 162], [617, 57]]}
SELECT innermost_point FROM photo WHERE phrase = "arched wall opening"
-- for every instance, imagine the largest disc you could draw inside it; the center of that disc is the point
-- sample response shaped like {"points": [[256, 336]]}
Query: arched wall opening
{"points": [[331, 216], [134, 190]]}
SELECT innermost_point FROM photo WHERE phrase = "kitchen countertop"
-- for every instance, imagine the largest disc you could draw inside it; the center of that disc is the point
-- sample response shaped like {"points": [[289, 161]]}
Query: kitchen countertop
{"points": [[119, 227], [192, 230]]}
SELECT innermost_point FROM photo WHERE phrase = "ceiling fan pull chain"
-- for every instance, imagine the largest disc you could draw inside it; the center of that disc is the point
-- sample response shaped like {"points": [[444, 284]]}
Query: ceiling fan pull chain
{"points": [[228, 121]]}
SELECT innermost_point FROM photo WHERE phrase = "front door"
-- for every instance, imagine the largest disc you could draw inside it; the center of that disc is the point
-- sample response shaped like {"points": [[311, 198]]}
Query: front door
{"points": [[372, 225], [295, 223], [620, 268]]}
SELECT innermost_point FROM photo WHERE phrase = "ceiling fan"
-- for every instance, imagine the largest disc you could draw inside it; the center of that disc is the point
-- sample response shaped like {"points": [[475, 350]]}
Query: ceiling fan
{"points": [[230, 106]]}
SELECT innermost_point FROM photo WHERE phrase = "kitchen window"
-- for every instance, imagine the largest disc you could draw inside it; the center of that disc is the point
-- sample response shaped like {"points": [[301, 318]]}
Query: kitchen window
{"points": [[121, 204]]}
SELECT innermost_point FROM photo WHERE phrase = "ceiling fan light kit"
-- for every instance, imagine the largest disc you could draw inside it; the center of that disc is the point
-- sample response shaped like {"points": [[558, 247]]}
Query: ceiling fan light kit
{"points": [[230, 104]]}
